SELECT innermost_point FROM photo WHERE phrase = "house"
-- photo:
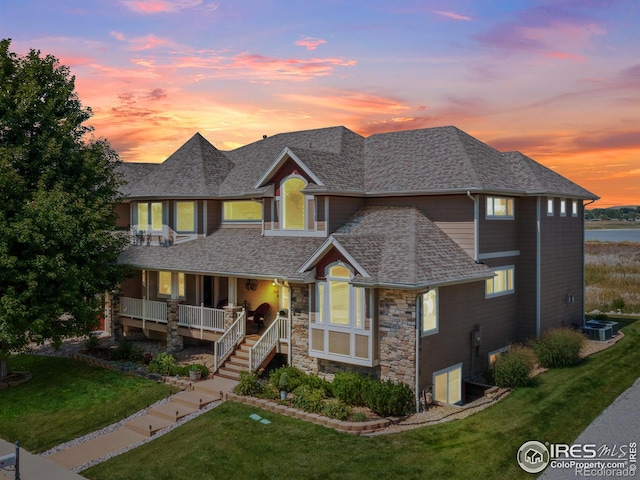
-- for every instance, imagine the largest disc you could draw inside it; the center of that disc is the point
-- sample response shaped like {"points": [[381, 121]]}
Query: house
{"points": [[416, 256]]}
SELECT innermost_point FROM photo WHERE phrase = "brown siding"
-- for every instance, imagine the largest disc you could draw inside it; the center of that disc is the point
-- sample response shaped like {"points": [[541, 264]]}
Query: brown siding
{"points": [[340, 209], [526, 285], [562, 268], [452, 213], [497, 235], [462, 307], [214, 215], [121, 211]]}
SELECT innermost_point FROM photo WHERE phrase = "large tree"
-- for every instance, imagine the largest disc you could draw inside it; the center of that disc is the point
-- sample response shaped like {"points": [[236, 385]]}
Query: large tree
{"points": [[58, 185]]}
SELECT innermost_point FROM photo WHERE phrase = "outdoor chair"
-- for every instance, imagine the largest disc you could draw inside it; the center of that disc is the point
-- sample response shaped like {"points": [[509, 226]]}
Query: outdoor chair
{"points": [[255, 318]]}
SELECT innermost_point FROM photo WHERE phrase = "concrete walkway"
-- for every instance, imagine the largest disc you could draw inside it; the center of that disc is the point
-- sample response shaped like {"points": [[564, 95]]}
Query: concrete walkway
{"points": [[134, 432], [618, 425]]}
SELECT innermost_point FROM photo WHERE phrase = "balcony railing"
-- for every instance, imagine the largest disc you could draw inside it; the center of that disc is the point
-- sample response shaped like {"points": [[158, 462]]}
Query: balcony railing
{"points": [[143, 309], [202, 318]]}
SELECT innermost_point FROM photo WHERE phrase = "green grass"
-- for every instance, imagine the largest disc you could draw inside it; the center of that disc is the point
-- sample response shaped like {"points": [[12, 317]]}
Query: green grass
{"points": [[225, 443], [67, 398]]}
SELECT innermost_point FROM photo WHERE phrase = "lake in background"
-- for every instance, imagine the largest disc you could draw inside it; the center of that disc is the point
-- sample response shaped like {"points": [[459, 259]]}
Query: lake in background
{"points": [[613, 235]]}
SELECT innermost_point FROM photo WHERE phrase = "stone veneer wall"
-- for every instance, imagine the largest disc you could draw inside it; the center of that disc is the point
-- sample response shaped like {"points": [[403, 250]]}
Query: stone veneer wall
{"points": [[175, 342], [396, 340]]}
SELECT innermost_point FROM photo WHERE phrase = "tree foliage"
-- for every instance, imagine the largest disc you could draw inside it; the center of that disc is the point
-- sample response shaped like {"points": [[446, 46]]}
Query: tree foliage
{"points": [[58, 245]]}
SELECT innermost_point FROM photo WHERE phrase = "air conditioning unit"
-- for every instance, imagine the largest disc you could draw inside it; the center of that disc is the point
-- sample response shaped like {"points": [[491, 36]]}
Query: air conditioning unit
{"points": [[603, 324], [600, 334]]}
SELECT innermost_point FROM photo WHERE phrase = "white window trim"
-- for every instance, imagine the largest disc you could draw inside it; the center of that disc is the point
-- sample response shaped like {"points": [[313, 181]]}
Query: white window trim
{"points": [[493, 216], [502, 292], [574, 208], [149, 227], [172, 286], [195, 217], [282, 205], [447, 371], [433, 331], [225, 220], [563, 207], [323, 326], [550, 206]]}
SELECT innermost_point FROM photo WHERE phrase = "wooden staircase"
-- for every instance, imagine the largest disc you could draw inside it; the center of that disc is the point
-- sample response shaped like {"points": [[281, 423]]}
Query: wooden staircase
{"points": [[238, 361]]}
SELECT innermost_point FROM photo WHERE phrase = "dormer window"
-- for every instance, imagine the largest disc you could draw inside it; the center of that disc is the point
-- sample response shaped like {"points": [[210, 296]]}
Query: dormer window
{"points": [[293, 203]]}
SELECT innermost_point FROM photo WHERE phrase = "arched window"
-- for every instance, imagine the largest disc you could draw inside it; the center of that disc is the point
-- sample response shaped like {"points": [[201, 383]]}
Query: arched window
{"points": [[293, 203], [339, 295]]}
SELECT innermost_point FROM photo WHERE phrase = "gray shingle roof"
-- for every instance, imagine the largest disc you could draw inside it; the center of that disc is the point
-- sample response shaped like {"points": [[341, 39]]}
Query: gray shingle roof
{"points": [[400, 246], [426, 161], [197, 169], [234, 251]]}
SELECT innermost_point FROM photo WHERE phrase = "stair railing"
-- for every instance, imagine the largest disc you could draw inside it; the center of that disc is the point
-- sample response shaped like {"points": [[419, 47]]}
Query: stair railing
{"points": [[265, 345], [227, 343]]}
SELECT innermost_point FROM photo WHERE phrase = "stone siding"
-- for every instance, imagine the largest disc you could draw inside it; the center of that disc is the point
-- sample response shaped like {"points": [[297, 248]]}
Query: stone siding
{"points": [[396, 341]]}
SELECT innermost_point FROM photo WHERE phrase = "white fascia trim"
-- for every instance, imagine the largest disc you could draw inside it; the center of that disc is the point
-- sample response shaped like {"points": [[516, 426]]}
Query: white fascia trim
{"points": [[508, 253], [332, 242], [277, 163]]}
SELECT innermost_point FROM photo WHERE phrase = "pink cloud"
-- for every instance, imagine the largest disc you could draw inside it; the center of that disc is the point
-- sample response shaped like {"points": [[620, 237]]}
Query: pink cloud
{"points": [[310, 43], [142, 43], [160, 6], [350, 101], [452, 15]]}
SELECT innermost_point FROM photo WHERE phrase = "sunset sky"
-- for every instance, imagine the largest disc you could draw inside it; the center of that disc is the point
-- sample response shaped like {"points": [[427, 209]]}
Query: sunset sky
{"points": [[557, 80]]}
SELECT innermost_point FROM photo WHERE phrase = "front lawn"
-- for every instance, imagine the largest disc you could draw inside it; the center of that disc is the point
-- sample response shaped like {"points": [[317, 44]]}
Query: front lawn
{"points": [[226, 443], [66, 399]]}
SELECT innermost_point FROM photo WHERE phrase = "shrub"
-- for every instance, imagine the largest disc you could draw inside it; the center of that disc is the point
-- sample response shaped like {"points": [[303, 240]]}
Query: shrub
{"points": [[198, 367], [164, 364], [308, 399], [296, 377], [248, 384], [350, 387], [126, 350], [389, 399], [559, 347], [334, 408], [92, 343], [512, 368], [617, 304]]}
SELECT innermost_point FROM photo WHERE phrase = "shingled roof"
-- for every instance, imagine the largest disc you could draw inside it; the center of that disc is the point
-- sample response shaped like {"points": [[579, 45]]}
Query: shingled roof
{"points": [[427, 161], [197, 169], [401, 247], [228, 251]]}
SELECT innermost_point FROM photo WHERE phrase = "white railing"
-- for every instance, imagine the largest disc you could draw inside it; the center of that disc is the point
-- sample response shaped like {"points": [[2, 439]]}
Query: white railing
{"points": [[228, 342], [192, 316], [277, 332], [143, 309]]}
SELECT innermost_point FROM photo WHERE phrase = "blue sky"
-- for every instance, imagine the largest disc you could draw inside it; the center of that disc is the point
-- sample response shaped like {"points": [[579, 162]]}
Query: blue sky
{"points": [[556, 80]]}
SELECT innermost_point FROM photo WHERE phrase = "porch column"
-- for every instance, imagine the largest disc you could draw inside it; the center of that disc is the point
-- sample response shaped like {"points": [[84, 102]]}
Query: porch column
{"points": [[174, 340], [230, 315], [114, 326]]}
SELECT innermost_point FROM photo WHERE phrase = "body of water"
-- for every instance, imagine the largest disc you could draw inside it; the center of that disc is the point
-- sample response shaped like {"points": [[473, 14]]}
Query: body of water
{"points": [[613, 235]]}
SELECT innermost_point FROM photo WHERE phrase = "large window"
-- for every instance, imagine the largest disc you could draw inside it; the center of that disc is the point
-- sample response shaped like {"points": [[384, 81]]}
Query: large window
{"points": [[502, 282], [429, 312], [500, 208], [165, 284], [186, 216], [293, 203], [150, 216], [339, 328], [447, 385], [242, 211]]}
